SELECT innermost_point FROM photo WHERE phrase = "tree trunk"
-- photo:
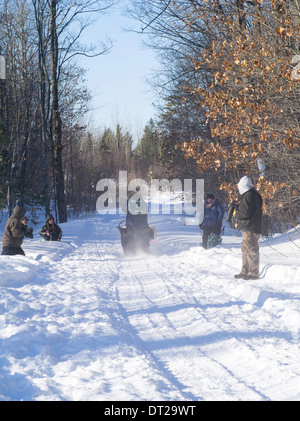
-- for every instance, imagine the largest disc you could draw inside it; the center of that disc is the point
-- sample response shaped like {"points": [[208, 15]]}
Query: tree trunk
{"points": [[56, 120], [40, 22]]}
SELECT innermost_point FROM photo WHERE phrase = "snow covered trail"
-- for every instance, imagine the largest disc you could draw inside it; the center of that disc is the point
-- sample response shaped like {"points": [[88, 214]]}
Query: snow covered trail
{"points": [[79, 321]]}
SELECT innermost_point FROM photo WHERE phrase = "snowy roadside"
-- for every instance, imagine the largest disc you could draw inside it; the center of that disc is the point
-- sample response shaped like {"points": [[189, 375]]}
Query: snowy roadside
{"points": [[79, 321]]}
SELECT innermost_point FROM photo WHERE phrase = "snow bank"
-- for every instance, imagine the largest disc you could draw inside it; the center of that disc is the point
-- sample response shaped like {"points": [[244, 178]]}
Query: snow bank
{"points": [[16, 270]]}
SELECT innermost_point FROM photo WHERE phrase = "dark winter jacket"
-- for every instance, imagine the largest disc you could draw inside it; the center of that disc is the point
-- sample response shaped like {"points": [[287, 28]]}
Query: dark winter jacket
{"points": [[213, 214], [250, 212], [137, 215], [14, 233], [54, 230], [136, 222], [28, 232]]}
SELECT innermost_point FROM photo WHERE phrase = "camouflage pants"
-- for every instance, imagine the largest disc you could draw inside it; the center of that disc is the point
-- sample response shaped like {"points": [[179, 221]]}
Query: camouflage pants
{"points": [[250, 253]]}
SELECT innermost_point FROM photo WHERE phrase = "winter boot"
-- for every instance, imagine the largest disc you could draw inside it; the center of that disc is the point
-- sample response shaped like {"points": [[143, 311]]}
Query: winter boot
{"points": [[240, 276]]}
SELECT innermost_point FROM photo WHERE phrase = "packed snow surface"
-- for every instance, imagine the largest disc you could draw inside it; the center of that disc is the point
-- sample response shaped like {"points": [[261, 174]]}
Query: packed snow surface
{"points": [[80, 321]]}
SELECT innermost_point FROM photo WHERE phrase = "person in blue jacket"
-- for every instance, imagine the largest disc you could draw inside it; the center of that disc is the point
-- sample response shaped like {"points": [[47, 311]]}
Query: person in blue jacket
{"points": [[213, 218]]}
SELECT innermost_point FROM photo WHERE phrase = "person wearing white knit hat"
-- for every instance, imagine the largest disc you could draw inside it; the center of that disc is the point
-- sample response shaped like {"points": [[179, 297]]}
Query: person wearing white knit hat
{"points": [[250, 223]]}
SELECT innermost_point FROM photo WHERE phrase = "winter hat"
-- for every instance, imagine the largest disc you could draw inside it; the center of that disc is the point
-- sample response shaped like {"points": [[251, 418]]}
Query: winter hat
{"points": [[19, 212], [244, 184], [49, 216], [210, 196]]}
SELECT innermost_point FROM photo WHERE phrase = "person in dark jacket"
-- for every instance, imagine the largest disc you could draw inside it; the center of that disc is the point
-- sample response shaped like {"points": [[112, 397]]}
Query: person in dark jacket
{"points": [[51, 231], [249, 218], [28, 232], [14, 233], [137, 215], [213, 217], [136, 235]]}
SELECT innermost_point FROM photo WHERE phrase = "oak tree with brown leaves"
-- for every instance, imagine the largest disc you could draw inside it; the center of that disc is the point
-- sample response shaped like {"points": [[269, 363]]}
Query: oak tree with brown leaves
{"points": [[236, 63]]}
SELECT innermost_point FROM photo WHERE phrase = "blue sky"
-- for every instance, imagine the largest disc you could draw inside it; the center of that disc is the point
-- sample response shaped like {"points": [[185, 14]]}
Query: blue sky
{"points": [[117, 79]]}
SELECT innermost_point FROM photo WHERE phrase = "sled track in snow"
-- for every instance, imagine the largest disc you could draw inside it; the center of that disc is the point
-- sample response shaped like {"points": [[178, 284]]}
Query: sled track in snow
{"points": [[127, 328], [184, 341], [120, 321], [201, 310], [180, 297], [193, 331]]}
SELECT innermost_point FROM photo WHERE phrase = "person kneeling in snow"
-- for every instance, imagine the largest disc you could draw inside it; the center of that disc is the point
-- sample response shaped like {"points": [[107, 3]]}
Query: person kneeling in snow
{"points": [[14, 233], [28, 232], [51, 231]]}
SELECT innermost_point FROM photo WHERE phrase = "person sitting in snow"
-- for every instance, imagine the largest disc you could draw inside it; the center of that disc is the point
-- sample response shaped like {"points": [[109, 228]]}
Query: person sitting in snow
{"points": [[28, 232], [213, 217], [14, 233], [51, 231]]}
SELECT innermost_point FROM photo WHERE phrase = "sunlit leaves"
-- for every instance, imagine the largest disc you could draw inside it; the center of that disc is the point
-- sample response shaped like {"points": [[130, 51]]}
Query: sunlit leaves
{"points": [[252, 100]]}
